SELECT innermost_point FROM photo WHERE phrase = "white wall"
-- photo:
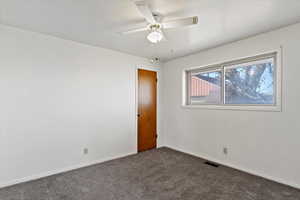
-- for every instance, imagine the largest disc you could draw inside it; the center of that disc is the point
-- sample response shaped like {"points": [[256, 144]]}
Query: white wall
{"points": [[263, 143], [58, 97]]}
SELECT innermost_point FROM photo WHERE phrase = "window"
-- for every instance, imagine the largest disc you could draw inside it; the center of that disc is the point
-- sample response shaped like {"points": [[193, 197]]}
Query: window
{"points": [[205, 87], [250, 83], [241, 83]]}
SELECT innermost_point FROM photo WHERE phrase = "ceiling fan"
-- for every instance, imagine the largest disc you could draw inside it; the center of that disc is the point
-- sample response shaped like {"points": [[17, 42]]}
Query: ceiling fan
{"points": [[156, 24]]}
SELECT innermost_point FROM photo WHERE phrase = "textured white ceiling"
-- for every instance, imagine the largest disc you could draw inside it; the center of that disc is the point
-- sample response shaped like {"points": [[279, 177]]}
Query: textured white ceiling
{"points": [[97, 22]]}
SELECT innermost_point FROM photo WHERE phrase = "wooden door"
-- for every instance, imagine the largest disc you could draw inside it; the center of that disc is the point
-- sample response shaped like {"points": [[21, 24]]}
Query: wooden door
{"points": [[147, 93]]}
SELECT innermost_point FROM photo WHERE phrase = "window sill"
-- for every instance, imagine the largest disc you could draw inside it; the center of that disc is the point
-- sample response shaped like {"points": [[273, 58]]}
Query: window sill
{"points": [[235, 107]]}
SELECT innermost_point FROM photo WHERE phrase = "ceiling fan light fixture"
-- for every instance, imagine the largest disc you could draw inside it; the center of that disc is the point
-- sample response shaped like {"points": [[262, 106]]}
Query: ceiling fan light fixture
{"points": [[155, 36]]}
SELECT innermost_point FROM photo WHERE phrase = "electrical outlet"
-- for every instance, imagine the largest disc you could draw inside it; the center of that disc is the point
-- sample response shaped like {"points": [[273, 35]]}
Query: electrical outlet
{"points": [[85, 151], [225, 150]]}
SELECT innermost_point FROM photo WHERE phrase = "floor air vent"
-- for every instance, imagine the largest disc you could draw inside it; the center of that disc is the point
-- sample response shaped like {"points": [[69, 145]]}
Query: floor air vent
{"points": [[211, 164]]}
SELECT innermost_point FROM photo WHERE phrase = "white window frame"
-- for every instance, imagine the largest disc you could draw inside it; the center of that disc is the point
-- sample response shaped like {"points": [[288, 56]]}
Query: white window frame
{"points": [[276, 107]]}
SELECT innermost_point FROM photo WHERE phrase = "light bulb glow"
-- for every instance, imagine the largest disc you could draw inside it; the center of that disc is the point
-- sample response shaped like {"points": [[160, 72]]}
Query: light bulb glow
{"points": [[155, 36]]}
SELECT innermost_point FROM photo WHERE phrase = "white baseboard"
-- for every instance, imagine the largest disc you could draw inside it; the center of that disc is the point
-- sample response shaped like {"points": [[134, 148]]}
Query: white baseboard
{"points": [[243, 169], [59, 171]]}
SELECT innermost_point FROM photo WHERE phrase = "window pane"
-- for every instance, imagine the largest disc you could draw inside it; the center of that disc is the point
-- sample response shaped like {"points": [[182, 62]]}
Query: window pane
{"points": [[205, 88], [250, 83]]}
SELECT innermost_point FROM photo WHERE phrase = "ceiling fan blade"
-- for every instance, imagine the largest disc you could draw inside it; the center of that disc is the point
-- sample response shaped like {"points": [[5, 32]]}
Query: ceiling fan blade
{"points": [[164, 39], [180, 22], [144, 9], [134, 31]]}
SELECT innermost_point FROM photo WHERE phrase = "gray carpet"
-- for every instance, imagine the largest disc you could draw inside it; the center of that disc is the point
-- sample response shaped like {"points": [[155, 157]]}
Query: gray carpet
{"points": [[161, 174]]}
